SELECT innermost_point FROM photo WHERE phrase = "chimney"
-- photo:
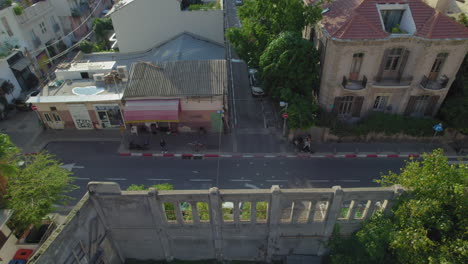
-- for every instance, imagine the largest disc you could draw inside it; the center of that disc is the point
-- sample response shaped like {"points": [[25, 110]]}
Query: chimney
{"points": [[442, 5]]}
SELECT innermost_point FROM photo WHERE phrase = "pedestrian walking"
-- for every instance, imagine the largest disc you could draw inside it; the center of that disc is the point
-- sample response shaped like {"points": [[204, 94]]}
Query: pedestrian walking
{"points": [[306, 144], [163, 145]]}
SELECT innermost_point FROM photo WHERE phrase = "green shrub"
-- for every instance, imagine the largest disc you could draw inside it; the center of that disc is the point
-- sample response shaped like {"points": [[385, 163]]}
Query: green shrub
{"points": [[18, 10], [455, 113], [204, 7], [86, 46], [390, 124]]}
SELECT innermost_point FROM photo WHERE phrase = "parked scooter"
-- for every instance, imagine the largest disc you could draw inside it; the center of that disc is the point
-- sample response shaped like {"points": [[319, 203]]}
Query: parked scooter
{"points": [[135, 146]]}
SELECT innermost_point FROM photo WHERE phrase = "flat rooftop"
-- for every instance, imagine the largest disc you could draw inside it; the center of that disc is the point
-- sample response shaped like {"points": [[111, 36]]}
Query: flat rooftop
{"points": [[82, 66], [79, 91]]}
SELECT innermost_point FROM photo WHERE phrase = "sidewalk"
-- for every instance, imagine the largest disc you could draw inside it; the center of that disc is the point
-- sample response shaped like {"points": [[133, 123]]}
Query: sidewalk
{"points": [[47, 136]]}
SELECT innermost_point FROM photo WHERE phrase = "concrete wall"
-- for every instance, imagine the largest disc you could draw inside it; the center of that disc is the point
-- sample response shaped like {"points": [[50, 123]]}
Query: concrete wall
{"points": [[297, 221], [339, 55], [160, 20], [80, 239], [7, 74]]}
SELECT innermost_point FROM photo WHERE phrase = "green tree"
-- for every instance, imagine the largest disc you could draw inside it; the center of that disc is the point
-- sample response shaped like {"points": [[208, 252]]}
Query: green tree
{"points": [[159, 187], [290, 71], [263, 21], [86, 46], [427, 225], [36, 188], [101, 26], [8, 163]]}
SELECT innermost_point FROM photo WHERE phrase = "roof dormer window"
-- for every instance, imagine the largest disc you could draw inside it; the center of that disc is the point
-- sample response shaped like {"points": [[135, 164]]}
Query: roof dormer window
{"points": [[391, 19], [396, 18]]}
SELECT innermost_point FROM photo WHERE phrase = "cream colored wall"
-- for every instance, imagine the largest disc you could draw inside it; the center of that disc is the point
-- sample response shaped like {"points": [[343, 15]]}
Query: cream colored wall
{"points": [[202, 104], [422, 55], [143, 24], [45, 107]]}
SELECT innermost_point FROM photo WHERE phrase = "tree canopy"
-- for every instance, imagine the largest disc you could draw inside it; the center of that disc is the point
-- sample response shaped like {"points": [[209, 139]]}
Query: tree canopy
{"points": [[263, 21], [36, 188], [290, 71], [427, 225]]}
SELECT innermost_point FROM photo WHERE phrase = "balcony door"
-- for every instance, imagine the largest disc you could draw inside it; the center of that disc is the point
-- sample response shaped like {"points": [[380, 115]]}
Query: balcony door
{"points": [[393, 64], [437, 66], [356, 66]]}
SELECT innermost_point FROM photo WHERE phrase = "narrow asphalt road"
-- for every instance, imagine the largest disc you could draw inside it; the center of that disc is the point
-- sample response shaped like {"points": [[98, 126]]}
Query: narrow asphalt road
{"points": [[98, 161]]}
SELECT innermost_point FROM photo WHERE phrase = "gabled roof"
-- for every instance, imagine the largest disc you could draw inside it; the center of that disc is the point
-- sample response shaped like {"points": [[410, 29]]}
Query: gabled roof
{"points": [[177, 79], [360, 19]]}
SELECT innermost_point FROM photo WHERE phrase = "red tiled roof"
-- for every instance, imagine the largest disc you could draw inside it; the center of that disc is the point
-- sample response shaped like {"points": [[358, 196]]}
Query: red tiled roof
{"points": [[360, 19]]}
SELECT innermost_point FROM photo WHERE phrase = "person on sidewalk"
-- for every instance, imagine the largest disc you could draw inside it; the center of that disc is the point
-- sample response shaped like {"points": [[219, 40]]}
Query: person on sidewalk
{"points": [[163, 145], [306, 147]]}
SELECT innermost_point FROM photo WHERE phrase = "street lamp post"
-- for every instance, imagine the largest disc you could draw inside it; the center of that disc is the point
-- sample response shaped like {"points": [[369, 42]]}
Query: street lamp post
{"points": [[285, 105]]}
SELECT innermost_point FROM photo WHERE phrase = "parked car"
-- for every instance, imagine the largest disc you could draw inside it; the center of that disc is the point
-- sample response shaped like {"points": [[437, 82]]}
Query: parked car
{"points": [[255, 85], [239, 2]]}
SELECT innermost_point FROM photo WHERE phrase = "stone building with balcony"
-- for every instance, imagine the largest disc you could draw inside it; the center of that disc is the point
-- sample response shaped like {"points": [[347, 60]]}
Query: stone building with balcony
{"points": [[399, 57]]}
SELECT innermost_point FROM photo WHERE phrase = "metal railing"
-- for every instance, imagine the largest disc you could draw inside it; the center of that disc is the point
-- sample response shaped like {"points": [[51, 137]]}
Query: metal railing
{"points": [[354, 85], [438, 84]]}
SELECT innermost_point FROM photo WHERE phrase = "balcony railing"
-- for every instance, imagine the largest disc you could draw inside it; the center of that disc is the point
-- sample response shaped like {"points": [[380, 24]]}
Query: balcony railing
{"points": [[402, 82], [36, 42], [354, 85], [439, 84]]}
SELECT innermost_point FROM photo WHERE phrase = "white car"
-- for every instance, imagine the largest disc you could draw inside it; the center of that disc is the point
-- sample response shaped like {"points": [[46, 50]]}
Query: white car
{"points": [[239, 2], [255, 83]]}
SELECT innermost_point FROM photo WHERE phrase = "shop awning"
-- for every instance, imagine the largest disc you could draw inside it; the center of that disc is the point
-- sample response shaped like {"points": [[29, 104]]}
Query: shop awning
{"points": [[21, 64], [137, 111]]}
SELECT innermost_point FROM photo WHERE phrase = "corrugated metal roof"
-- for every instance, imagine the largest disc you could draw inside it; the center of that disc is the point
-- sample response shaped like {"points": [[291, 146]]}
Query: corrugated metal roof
{"points": [[177, 78]]}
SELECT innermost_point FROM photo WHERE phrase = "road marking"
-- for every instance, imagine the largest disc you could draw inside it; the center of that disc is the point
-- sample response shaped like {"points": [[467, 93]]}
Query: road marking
{"points": [[195, 171], [276, 180], [248, 185], [226, 156], [136, 154], [318, 180], [160, 179], [236, 60], [348, 180], [240, 180], [270, 156], [200, 180], [71, 166], [87, 179], [116, 179], [248, 156]]}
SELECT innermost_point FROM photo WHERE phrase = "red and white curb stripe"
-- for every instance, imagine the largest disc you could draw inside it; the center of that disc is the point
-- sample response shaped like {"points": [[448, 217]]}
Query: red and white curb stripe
{"points": [[191, 155]]}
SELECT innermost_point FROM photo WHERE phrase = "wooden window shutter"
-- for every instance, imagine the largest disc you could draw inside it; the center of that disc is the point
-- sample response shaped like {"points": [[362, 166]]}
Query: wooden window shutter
{"points": [[382, 65], [336, 104], [404, 59], [431, 105], [357, 106], [411, 104]]}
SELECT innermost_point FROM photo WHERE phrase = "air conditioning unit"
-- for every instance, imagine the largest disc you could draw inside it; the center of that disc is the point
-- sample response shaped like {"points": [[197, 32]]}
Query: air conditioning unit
{"points": [[122, 71], [98, 77]]}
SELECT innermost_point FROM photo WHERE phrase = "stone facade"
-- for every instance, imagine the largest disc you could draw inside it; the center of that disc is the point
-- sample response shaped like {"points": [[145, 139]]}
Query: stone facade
{"points": [[260, 225], [422, 53], [401, 73]]}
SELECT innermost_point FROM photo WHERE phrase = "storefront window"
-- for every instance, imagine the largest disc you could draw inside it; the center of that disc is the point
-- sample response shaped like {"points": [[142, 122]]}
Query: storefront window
{"points": [[109, 115]]}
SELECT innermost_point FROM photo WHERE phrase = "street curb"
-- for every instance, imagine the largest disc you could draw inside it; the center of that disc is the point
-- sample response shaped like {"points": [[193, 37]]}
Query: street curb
{"points": [[199, 156]]}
